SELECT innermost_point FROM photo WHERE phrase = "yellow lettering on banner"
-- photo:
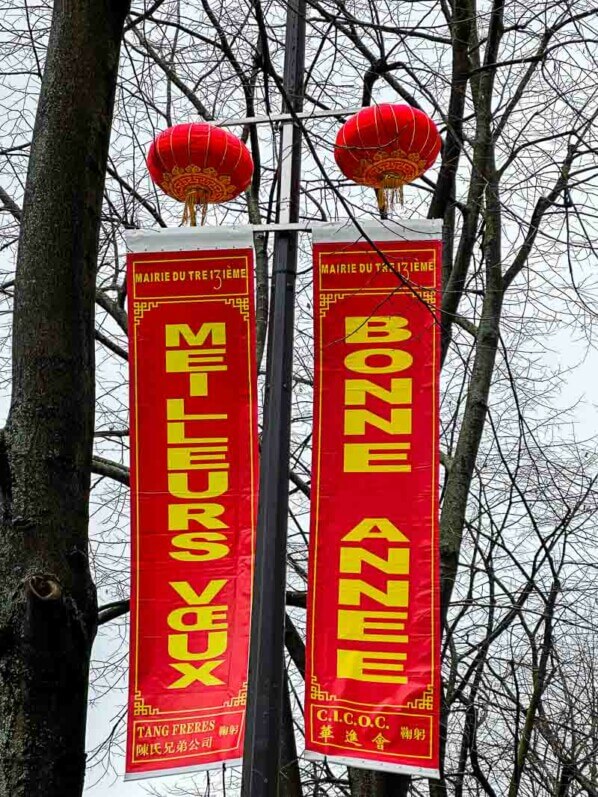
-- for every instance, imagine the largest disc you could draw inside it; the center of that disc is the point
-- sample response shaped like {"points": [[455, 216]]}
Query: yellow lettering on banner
{"points": [[366, 457], [178, 485], [207, 595], [377, 356], [199, 618], [201, 628], [356, 391], [395, 360], [197, 615], [180, 516], [175, 411], [178, 646], [372, 666], [375, 528], [184, 361], [199, 457], [353, 559], [215, 331], [199, 546], [196, 361], [377, 329], [398, 423], [365, 626], [198, 384], [191, 674], [351, 590], [177, 433]]}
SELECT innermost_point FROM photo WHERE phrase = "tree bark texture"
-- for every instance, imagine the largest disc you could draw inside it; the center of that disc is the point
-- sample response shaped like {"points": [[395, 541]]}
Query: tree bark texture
{"points": [[48, 610]]}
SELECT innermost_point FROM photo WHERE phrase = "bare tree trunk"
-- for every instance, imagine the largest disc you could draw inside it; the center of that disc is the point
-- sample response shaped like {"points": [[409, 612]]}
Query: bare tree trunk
{"points": [[48, 611]]}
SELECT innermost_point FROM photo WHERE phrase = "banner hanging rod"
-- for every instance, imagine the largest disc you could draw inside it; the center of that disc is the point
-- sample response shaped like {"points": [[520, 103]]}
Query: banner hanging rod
{"points": [[285, 117]]}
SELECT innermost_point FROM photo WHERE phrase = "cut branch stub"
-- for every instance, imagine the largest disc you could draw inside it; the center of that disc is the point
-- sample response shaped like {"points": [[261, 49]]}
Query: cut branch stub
{"points": [[44, 587]]}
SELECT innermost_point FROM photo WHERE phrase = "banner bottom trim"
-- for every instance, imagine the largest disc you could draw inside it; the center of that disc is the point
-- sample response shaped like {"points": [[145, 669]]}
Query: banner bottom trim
{"points": [[364, 763], [159, 773]]}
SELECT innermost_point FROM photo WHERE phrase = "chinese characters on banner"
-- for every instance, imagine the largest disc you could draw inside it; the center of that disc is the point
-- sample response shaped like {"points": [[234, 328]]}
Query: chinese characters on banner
{"points": [[372, 682], [193, 497]]}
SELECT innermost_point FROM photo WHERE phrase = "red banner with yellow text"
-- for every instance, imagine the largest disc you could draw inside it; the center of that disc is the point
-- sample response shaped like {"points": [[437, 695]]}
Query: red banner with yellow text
{"points": [[372, 681], [193, 497]]}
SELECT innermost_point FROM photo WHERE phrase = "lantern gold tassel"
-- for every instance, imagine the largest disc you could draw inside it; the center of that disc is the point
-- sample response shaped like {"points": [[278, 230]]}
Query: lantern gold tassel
{"points": [[390, 194], [192, 201], [189, 214]]}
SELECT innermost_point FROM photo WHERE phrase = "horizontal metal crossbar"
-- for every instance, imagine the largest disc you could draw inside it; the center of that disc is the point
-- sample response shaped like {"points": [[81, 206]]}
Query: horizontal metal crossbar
{"points": [[285, 117]]}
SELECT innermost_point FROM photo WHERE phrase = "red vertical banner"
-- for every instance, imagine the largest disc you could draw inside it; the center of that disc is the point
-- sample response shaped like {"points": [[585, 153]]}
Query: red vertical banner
{"points": [[373, 637], [193, 497]]}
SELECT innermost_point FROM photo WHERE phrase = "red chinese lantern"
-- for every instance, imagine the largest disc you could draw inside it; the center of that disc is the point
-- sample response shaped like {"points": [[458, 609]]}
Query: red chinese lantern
{"points": [[385, 147], [199, 164]]}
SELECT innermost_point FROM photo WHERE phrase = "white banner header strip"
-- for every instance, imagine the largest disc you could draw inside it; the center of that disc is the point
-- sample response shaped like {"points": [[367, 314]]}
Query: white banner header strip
{"points": [[189, 239], [184, 239], [401, 230]]}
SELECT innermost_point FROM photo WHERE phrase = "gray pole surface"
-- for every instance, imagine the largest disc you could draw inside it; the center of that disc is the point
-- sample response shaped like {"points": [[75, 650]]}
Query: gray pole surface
{"points": [[261, 759]]}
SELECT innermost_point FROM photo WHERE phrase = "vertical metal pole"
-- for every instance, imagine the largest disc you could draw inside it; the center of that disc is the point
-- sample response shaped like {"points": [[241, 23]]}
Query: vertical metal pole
{"points": [[266, 662]]}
